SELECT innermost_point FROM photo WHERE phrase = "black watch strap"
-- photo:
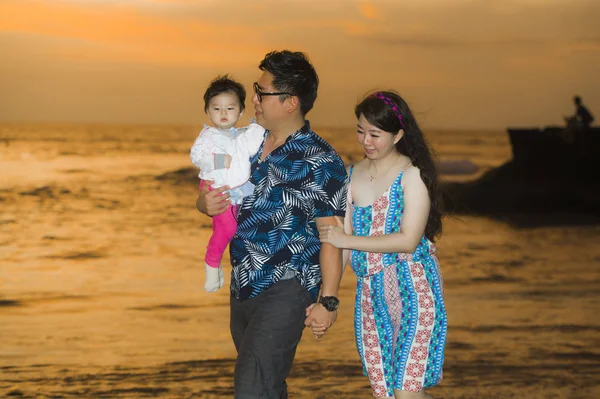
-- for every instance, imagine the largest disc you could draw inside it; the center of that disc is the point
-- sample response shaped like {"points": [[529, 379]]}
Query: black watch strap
{"points": [[330, 303]]}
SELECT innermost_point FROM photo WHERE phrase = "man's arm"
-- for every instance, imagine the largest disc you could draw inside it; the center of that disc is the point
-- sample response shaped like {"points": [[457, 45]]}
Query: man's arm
{"points": [[330, 258]]}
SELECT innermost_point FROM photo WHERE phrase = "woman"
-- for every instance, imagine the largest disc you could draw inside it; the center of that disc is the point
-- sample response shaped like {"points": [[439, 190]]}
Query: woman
{"points": [[393, 216]]}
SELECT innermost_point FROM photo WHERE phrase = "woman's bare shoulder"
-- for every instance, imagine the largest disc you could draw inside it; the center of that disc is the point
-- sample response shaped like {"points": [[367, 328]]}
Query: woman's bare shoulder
{"points": [[412, 175], [361, 165]]}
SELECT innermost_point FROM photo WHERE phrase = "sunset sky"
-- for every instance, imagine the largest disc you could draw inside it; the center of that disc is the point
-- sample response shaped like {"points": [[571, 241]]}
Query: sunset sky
{"points": [[459, 63]]}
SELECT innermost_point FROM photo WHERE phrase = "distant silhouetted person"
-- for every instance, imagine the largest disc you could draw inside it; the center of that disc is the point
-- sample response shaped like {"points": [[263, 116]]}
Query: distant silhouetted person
{"points": [[582, 115], [578, 125]]}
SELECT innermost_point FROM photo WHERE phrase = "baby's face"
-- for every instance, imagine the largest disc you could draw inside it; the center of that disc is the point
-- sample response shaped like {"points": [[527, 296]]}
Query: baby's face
{"points": [[224, 110]]}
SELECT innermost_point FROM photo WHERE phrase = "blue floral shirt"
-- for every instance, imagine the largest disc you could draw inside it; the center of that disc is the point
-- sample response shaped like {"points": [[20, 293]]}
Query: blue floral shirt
{"points": [[299, 181]]}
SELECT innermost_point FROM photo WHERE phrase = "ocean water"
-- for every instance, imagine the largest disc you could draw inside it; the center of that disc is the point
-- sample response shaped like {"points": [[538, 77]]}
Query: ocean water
{"points": [[101, 274]]}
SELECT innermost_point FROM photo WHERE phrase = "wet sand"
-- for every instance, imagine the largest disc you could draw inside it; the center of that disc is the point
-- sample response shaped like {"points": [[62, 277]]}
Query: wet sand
{"points": [[101, 267]]}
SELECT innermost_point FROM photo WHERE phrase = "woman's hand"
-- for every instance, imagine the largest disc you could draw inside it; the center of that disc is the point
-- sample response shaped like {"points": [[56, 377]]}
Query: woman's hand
{"points": [[333, 235]]}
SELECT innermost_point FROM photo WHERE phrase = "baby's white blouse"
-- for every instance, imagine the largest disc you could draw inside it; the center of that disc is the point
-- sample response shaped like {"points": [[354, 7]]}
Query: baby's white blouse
{"points": [[239, 143]]}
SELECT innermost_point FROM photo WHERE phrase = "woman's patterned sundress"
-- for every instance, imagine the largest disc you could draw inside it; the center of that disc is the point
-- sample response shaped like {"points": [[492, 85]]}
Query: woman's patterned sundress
{"points": [[400, 319]]}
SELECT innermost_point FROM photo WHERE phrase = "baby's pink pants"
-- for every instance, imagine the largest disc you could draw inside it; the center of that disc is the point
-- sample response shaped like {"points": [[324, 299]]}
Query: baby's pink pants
{"points": [[223, 230]]}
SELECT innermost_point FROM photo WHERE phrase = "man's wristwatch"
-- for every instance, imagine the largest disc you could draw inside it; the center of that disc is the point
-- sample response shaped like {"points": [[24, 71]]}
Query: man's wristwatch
{"points": [[330, 303]]}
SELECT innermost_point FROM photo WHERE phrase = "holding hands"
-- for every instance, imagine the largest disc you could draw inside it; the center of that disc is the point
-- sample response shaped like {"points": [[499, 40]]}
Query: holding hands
{"points": [[319, 319]]}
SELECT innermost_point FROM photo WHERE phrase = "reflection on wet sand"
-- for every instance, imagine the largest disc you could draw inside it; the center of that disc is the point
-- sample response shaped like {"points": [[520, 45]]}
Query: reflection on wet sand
{"points": [[101, 284]]}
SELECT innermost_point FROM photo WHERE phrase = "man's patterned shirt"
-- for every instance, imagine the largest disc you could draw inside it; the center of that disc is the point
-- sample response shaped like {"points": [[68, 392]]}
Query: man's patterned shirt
{"points": [[299, 181]]}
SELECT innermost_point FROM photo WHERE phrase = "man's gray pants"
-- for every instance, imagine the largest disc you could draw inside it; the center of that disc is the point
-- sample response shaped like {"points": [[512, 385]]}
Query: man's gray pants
{"points": [[266, 330]]}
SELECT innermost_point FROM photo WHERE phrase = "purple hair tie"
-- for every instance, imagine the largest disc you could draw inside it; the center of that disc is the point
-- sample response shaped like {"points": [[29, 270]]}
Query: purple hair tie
{"points": [[390, 104]]}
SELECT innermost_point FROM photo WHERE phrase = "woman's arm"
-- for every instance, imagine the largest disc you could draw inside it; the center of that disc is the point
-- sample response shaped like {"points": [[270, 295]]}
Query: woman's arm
{"points": [[414, 221]]}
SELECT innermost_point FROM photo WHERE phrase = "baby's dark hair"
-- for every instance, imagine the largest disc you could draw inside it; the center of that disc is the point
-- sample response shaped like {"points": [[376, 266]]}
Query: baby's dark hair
{"points": [[224, 84]]}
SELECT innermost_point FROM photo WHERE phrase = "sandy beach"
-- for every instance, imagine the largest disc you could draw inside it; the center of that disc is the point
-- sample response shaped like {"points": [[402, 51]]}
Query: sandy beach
{"points": [[101, 274]]}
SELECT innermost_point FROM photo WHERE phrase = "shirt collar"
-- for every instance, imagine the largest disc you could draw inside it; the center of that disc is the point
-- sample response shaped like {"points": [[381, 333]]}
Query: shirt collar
{"points": [[305, 129]]}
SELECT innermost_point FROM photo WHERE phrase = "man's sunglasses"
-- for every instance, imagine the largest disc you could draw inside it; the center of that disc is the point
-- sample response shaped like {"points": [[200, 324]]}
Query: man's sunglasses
{"points": [[260, 93]]}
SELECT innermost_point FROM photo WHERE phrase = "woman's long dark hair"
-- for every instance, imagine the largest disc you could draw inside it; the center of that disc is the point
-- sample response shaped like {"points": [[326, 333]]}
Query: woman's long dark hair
{"points": [[412, 144]]}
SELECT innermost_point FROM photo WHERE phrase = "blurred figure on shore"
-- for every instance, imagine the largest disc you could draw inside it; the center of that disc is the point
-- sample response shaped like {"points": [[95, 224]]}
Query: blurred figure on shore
{"points": [[578, 124], [582, 115]]}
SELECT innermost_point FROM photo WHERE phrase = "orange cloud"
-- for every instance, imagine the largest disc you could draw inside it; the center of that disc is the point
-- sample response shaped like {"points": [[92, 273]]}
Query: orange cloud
{"points": [[122, 33], [138, 32], [368, 10]]}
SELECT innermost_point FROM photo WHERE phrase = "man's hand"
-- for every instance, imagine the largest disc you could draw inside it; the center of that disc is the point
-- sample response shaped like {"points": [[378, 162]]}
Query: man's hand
{"points": [[319, 319], [213, 202]]}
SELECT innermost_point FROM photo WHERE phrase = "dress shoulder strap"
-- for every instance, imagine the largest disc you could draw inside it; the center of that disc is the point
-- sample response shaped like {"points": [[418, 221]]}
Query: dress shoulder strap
{"points": [[349, 193], [401, 175], [408, 165]]}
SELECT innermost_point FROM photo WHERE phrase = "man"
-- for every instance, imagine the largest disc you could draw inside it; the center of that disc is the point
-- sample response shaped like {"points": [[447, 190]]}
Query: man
{"points": [[278, 262], [582, 114], [578, 126]]}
